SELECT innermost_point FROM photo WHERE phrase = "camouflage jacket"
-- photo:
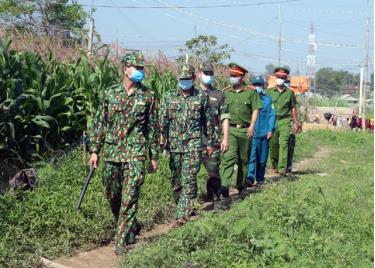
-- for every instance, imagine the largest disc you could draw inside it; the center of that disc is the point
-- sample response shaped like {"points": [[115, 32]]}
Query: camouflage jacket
{"points": [[219, 110], [124, 125], [184, 121]]}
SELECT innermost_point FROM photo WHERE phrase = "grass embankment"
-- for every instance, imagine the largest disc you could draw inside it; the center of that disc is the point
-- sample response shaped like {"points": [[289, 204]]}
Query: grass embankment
{"points": [[312, 221]]}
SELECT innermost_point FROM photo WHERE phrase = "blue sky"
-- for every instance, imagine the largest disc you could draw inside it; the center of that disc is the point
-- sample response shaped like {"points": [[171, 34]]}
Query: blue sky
{"points": [[252, 31]]}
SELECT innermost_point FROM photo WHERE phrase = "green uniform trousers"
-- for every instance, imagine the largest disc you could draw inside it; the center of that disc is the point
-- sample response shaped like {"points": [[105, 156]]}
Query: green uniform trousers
{"points": [[122, 182], [279, 145], [238, 152], [185, 167]]}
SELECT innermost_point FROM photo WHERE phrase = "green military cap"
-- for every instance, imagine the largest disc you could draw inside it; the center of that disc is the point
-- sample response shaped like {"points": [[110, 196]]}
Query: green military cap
{"points": [[206, 66], [236, 69], [133, 58], [281, 71], [187, 71]]}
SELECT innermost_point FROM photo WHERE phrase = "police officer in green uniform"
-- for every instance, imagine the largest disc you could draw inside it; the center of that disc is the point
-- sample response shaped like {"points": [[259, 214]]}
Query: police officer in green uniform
{"points": [[285, 103], [243, 103]]}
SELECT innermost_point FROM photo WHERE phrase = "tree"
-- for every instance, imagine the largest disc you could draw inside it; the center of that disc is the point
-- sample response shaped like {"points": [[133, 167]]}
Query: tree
{"points": [[48, 16], [332, 82], [205, 47]]}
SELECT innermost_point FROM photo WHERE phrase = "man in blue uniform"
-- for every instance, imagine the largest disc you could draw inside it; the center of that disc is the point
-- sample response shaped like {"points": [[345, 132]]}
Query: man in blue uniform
{"points": [[264, 127]]}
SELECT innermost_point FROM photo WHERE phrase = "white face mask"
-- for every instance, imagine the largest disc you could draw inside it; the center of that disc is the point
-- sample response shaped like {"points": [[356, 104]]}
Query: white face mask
{"points": [[280, 81], [234, 80]]}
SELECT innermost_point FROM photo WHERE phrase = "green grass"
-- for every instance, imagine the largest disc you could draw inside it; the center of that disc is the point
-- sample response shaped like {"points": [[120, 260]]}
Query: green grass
{"points": [[309, 221], [45, 222]]}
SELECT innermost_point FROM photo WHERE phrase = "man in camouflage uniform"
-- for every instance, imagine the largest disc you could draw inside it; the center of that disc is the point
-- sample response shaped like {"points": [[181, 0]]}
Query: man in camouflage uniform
{"points": [[220, 122], [244, 104], [124, 124], [184, 117]]}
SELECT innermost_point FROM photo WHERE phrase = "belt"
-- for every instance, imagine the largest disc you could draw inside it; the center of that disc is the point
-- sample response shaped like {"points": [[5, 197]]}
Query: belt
{"points": [[246, 125]]}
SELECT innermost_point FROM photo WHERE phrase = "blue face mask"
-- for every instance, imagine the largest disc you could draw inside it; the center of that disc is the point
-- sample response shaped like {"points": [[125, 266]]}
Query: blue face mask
{"points": [[207, 79], [137, 76], [259, 89], [185, 84]]}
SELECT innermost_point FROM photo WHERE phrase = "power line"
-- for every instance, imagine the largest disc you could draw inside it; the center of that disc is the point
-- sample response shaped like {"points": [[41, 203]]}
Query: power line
{"points": [[254, 32], [200, 6]]}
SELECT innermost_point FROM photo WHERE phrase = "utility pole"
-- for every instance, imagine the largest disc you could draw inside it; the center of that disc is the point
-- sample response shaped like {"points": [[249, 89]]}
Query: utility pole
{"points": [[279, 43], [91, 30], [360, 92], [311, 59], [365, 72]]}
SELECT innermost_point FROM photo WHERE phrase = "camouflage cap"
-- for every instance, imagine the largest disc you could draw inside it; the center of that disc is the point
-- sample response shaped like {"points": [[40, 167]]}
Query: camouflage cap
{"points": [[133, 58], [187, 71]]}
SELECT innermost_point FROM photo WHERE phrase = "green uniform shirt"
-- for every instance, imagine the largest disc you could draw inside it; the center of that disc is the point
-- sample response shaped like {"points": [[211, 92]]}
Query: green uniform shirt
{"points": [[124, 125], [283, 102], [185, 119], [241, 104]]}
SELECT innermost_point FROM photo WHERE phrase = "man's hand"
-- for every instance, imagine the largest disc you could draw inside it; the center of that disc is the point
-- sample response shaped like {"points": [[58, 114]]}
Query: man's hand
{"points": [[153, 166], [210, 150], [250, 131], [94, 160], [224, 145], [269, 135]]}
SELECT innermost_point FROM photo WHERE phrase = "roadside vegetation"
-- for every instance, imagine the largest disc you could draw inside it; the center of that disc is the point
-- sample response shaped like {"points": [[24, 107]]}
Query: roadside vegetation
{"points": [[320, 218]]}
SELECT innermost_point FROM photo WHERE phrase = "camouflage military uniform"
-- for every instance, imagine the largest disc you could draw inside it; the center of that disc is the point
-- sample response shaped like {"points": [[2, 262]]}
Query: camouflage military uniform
{"points": [[183, 119], [219, 110], [123, 126]]}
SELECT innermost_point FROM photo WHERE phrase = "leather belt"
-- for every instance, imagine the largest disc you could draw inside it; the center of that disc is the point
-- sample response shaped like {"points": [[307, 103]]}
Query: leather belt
{"points": [[246, 125]]}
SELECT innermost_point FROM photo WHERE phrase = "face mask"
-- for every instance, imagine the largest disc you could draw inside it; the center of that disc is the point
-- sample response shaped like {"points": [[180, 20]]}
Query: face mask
{"points": [[234, 80], [137, 76], [185, 84], [207, 79], [259, 89], [286, 84], [280, 81]]}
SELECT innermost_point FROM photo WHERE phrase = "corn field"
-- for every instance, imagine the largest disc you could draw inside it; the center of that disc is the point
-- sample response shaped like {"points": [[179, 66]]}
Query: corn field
{"points": [[46, 104]]}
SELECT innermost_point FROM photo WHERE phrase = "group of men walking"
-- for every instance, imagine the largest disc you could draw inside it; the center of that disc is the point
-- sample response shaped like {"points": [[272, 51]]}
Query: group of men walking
{"points": [[195, 124]]}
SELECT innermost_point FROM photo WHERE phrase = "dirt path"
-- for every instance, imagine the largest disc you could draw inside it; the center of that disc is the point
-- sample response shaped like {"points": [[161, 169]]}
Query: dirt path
{"points": [[104, 257]]}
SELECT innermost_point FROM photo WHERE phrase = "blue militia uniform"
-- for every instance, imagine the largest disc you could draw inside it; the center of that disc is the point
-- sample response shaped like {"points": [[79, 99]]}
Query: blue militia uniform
{"points": [[260, 144]]}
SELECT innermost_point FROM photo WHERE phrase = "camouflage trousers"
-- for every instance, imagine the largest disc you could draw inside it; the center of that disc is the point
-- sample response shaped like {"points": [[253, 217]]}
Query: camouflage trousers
{"points": [[185, 167], [122, 182], [212, 165]]}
